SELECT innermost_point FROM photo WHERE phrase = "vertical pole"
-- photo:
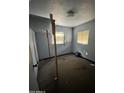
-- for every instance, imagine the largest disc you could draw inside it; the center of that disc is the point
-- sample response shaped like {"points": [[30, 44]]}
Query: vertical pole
{"points": [[48, 42], [53, 31]]}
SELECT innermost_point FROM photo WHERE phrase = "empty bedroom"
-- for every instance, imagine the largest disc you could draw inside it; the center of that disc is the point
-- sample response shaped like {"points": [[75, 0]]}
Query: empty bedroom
{"points": [[62, 46]]}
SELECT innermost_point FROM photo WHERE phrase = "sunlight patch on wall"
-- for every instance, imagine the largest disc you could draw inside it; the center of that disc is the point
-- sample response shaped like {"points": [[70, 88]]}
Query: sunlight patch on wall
{"points": [[82, 37], [59, 38]]}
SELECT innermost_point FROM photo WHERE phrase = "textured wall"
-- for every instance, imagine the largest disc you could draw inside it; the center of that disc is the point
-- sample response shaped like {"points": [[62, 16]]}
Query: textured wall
{"points": [[39, 25], [41, 40], [83, 49]]}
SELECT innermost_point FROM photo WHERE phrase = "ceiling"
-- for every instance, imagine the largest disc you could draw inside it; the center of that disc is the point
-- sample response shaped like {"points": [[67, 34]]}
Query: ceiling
{"points": [[68, 13]]}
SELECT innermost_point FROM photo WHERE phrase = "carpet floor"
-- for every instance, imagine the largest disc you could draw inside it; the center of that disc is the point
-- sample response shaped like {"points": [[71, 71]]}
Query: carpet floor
{"points": [[76, 75]]}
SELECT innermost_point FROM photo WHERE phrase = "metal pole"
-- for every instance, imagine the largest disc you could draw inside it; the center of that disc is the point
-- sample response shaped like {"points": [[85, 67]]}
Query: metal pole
{"points": [[53, 31], [48, 42]]}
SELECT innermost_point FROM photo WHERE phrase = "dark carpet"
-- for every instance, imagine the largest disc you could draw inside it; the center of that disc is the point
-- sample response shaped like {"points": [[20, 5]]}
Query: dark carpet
{"points": [[76, 75]]}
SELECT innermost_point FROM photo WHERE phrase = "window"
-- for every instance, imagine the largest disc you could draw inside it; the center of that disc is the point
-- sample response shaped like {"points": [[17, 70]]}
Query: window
{"points": [[82, 37], [59, 38]]}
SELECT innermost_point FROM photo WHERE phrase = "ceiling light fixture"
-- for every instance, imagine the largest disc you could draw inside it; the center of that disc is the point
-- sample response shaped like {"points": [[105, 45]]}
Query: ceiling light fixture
{"points": [[70, 13]]}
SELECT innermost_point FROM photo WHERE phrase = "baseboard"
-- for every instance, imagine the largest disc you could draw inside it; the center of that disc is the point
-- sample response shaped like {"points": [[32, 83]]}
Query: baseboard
{"points": [[93, 62], [54, 56]]}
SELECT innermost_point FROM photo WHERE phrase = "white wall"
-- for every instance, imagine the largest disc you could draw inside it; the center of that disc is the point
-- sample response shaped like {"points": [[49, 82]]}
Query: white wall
{"points": [[33, 85], [35, 46], [32, 44]]}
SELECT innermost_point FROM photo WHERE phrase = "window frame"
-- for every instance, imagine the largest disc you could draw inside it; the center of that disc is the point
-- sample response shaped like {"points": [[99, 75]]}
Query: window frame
{"points": [[56, 38]]}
